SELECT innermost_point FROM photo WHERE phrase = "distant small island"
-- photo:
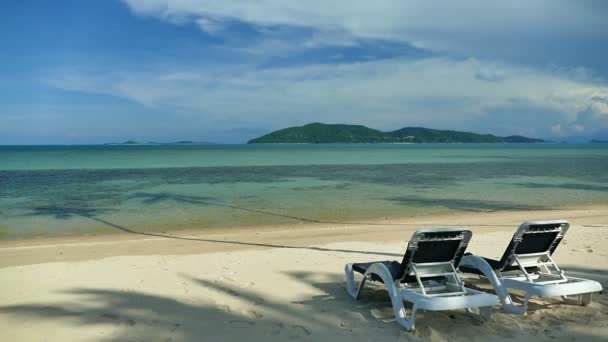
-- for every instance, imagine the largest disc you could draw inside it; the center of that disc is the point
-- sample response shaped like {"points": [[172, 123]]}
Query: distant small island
{"points": [[596, 141], [184, 142], [319, 133]]}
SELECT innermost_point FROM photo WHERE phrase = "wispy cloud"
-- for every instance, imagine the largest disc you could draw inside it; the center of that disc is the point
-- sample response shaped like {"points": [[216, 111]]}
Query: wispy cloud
{"points": [[472, 27], [385, 94]]}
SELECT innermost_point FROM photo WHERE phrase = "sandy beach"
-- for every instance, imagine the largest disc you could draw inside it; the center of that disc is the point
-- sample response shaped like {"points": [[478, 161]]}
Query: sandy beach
{"points": [[273, 284], [207, 170]]}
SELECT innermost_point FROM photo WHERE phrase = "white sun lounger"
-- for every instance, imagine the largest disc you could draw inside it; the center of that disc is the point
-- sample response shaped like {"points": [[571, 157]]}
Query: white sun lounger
{"points": [[526, 266], [426, 277]]}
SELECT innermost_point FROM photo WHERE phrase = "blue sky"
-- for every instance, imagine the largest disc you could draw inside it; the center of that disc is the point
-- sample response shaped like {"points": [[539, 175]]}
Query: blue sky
{"points": [[227, 71]]}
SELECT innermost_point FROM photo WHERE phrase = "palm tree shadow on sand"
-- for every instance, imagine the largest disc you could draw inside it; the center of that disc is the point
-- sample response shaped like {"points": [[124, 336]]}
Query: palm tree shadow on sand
{"points": [[65, 213], [93, 213], [329, 313], [155, 198]]}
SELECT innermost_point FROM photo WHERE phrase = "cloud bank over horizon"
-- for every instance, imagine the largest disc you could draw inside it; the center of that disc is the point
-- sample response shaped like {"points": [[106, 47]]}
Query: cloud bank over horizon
{"points": [[229, 71]]}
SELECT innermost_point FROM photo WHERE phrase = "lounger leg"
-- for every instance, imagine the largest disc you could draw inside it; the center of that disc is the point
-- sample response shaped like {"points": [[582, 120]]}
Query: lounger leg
{"points": [[573, 299], [399, 309], [524, 306], [501, 290], [510, 307], [350, 282], [583, 299], [393, 291], [412, 321], [395, 295], [485, 312], [482, 314], [586, 299]]}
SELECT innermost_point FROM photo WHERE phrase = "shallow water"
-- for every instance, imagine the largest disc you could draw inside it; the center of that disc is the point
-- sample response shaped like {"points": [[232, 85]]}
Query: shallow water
{"points": [[57, 190]]}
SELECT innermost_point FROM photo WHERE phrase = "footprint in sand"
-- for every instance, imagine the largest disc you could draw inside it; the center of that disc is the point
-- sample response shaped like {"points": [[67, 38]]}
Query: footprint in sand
{"points": [[382, 313], [224, 308], [252, 314], [129, 322], [298, 331], [247, 285], [276, 329], [109, 316], [346, 326], [224, 279], [293, 331], [185, 286], [240, 323]]}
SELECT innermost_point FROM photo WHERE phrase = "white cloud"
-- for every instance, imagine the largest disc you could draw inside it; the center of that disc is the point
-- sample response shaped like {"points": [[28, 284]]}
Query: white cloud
{"points": [[210, 26], [388, 94], [470, 25], [501, 96], [556, 129]]}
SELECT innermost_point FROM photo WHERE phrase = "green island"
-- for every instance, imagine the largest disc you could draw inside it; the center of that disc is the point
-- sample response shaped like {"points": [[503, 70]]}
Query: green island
{"points": [[319, 133]]}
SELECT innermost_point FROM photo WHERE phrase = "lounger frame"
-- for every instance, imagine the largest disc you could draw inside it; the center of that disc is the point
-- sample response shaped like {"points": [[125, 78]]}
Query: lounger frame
{"points": [[548, 281], [425, 294]]}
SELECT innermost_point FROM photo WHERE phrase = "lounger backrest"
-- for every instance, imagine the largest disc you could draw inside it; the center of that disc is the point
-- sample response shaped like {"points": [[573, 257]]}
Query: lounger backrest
{"points": [[534, 237], [434, 245]]}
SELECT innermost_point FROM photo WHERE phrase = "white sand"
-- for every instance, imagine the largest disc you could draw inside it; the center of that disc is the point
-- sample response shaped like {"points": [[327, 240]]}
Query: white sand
{"points": [[180, 291]]}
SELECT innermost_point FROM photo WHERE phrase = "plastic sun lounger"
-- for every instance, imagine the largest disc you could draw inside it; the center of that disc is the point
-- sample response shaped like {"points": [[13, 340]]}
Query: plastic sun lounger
{"points": [[527, 266], [426, 277]]}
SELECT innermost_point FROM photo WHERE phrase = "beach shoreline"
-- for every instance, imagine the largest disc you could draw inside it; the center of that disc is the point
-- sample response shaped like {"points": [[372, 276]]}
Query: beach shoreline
{"points": [[184, 241]]}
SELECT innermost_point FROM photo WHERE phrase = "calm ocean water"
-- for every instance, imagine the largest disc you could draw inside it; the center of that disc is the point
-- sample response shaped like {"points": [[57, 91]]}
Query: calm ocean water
{"points": [[57, 190]]}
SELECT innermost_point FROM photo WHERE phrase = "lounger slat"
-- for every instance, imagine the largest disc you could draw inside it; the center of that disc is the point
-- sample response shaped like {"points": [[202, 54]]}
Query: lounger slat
{"points": [[430, 275]]}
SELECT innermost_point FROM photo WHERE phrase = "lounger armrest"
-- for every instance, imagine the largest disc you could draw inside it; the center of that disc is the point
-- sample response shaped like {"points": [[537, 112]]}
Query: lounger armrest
{"points": [[376, 268], [350, 281], [484, 267], [472, 299], [477, 262], [380, 270], [574, 286]]}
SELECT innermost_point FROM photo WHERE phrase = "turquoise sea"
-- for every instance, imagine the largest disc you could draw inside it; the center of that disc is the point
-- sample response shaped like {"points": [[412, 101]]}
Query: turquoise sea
{"points": [[62, 190]]}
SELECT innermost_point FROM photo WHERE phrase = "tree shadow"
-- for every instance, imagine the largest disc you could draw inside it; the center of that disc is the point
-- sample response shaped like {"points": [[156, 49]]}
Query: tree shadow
{"points": [[61, 212], [374, 309], [597, 274], [546, 303], [138, 316], [67, 213], [327, 313], [465, 204], [410, 174], [131, 315], [154, 198], [567, 186]]}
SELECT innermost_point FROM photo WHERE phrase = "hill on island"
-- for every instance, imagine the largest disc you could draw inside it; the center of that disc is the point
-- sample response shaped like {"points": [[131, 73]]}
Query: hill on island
{"points": [[319, 133]]}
